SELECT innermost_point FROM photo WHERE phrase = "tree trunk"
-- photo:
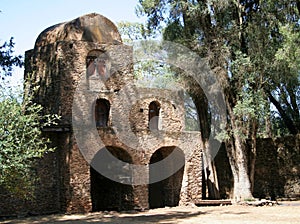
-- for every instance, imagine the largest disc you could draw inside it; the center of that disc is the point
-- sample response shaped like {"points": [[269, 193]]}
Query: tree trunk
{"points": [[268, 123], [210, 172], [238, 163], [253, 153], [236, 151]]}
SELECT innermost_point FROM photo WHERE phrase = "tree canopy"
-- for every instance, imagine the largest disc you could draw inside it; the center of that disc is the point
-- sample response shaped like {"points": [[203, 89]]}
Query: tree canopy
{"points": [[251, 47]]}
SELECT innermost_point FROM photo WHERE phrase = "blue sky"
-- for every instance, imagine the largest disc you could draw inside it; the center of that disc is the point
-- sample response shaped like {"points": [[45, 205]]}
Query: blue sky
{"points": [[25, 19]]}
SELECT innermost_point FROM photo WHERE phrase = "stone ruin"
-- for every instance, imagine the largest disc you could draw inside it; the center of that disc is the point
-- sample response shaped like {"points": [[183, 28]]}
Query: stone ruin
{"points": [[85, 74]]}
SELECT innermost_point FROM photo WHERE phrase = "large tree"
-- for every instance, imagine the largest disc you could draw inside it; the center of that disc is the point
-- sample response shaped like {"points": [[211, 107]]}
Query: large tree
{"points": [[241, 39]]}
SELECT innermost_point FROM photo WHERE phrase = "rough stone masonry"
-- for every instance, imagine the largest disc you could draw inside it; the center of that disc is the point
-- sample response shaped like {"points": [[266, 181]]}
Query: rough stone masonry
{"points": [[137, 126], [85, 74]]}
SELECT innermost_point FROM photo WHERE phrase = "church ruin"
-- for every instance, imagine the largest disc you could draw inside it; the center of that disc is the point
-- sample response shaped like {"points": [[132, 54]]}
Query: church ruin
{"points": [[120, 147], [137, 126]]}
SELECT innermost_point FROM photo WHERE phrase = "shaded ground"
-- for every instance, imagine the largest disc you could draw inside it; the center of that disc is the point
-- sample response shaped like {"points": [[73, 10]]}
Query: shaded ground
{"points": [[287, 212]]}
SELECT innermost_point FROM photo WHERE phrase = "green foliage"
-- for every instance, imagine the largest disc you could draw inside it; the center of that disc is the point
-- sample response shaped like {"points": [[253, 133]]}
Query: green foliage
{"points": [[155, 74], [251, 104], [154, 10], [131, 31], [173, 31], [21, 123], [289, 53], [21, 140], [7, 59], [254, 42], [284, 88]]}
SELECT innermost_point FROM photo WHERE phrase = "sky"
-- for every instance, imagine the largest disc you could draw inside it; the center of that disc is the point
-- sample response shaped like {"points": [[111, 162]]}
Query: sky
{"points": [[26, 19]]}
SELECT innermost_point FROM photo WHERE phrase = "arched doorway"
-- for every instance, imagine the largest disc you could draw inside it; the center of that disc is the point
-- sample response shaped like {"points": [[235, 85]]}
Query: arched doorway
{"points": [[102, 108], [166, 192], [154, 108], [106, 194]]}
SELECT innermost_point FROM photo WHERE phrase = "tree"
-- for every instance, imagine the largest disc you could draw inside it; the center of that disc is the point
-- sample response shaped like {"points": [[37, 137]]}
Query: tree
{"points": [[21, 141], [284, 91], [131, 32], [8, 60], [240, 39], [21, 138]]}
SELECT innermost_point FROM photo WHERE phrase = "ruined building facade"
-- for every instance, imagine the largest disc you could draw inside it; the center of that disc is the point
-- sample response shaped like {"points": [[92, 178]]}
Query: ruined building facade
{"points": [[85, 74], [120, 147]]}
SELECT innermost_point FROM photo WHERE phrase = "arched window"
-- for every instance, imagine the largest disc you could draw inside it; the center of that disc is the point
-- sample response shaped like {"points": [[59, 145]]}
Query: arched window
{"points": [[97, 64], [90, 65], [102, 112], [97, 68], [154, 108]]}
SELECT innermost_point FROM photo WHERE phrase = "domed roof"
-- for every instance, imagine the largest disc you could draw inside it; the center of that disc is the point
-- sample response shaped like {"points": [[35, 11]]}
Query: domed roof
{"points": [[91, 27]]}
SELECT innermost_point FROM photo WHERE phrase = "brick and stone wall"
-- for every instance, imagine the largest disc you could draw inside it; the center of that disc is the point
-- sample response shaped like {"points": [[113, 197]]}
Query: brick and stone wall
{"points": [[277, 173], [277, 169], [47, 196]]}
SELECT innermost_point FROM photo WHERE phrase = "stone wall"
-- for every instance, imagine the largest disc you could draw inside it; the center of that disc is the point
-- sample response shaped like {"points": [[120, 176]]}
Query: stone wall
{"points": [[47, 197], [277, 169], [58, 69]]}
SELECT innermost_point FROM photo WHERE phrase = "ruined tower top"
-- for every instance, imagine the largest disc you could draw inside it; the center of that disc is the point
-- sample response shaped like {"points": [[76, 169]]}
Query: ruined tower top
{"points": [[91, 28], [87, 50]]}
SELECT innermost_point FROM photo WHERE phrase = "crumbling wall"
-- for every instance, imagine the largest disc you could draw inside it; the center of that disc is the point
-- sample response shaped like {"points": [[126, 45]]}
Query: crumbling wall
{"points": [[46, 197], [277, 169], [288, 157]]}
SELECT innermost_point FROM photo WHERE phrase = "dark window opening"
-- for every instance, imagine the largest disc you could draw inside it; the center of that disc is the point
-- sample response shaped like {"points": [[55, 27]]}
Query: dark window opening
{"points": [[154, 108], [102, 112]]}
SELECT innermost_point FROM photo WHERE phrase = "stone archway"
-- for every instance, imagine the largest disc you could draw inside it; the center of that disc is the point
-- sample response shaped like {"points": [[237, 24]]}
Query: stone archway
{"points": [[106, 194], [166, 192]]}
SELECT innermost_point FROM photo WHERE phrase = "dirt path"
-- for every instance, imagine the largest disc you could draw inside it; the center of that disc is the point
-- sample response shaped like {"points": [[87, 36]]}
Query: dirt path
{"points": [[287, 212]]}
